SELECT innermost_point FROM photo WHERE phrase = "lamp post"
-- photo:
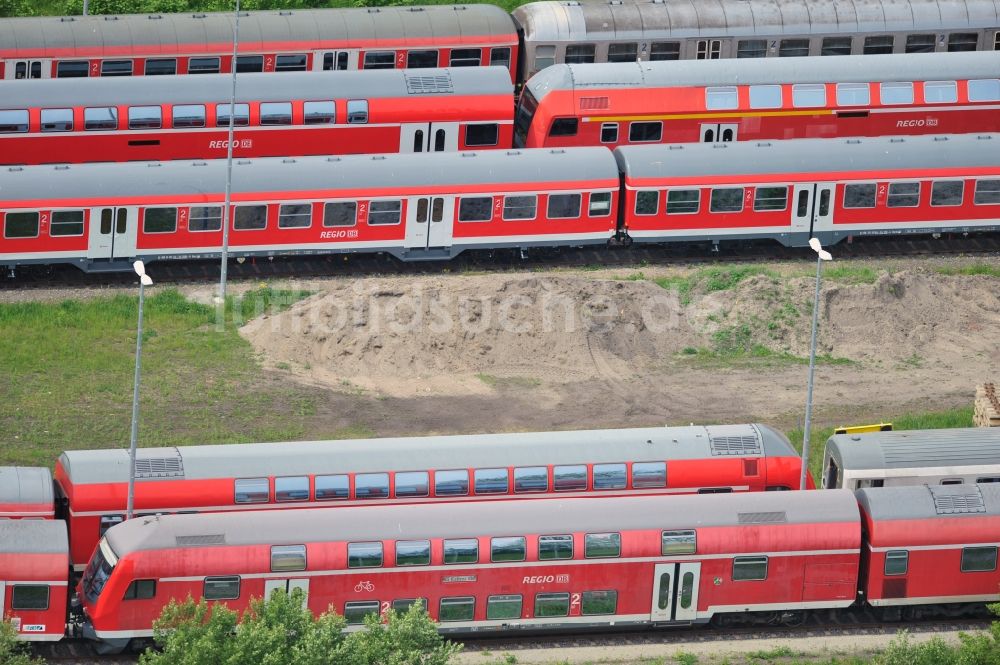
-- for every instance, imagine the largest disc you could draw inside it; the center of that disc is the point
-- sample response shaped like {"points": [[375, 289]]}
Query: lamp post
{"points": [[821, 255], [223, 268], [144, 281]]}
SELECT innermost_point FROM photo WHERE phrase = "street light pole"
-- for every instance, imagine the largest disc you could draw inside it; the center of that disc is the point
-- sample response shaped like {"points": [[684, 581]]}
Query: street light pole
{"points": [[821, 255], [223, 269], [144, 281]]}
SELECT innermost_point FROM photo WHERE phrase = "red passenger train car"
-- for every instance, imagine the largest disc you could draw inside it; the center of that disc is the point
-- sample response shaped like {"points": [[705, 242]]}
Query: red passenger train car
{"points": [[187, 117], [26, 493], [34, 587], [93, 484]]}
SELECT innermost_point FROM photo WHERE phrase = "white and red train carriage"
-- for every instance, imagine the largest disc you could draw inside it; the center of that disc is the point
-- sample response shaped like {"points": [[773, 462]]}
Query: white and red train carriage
{"points": [[34, 582], [26, 492]]}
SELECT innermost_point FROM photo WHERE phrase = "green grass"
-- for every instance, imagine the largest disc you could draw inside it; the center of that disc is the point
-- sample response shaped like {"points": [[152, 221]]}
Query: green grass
{"points": [[987, 269], [501, 382], [850, 274]]}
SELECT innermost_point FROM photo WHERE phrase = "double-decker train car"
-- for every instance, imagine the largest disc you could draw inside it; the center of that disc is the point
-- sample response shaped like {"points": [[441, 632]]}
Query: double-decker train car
{"points": [[26, 493], [93, 484], [750, 100], [187, 117], [34, 587]]}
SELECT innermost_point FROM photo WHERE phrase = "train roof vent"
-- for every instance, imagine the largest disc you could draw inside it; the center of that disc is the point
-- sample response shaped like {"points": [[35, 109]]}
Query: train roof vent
{"points": [[957, 499], [985, 137], [415, 9], [110, 18], [594, 103], [198, 541], [67, 19], [154, 17], [425, 84], [162, 466], [572, 3], [747, 444], [775, 517], [940, 138], [197, 16]]}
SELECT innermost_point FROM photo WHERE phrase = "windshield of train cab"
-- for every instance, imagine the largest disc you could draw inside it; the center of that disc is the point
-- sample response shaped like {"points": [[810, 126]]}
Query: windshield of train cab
{"points": [[98, 571], [525, 112]]}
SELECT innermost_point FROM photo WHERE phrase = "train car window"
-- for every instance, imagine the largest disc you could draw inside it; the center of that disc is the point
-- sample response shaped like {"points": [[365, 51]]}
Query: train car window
{"points": [[896, 562], [727, 199], [461, 550], [678, 542], [545, 56], [896, 93], [160, 67], [116, 68], [551, 604], [240, 119], [140, 590], [920, 43], [291, 488], [564, 127], [947, 192], [490, 481], [20, 225], [249, 63], [721, 98], [371, 486], [602, 545], [683, 201], [511, 548], [421, 59], [853, 94], [627, 52], [98, 118], [519, 207], [749, 568], [145, 117], [963, 41], [66, 223], [286, 558], [221, 588], [988, 479], [599, 602], [996, 41], [355, 611], [503, 607], [770, 198], [687, 589], [364, 555], [984, 90], [108, 521], [203, 65], [30, 597], [295, 216], [290, 62], [664, 51], [475, 209], [903, 194], [647, 202], [403, 605], [808, 95], [159, 220], [610, 476], [72, 69], [457, 609], [451, 483], [252, 490], [412, 483], [555, 547], [382, 213], [189, 115], [836, 46], [580, 54], [793, 48], [532, 478], [250, 218], [413, 552], [357, 111], [276, 113], [979, 559], [751, 48], [564, 206], [466, 57], [609, 132], [600, 204], [485, 134], [205, 218], [859, 196], [340, 213], [765, 96], [569, 478], [987, 192], [332, 487], [320, 113], [878, 44], [645, 132], [940, 92], [500, 57], [13, 121], [649, 474], [950, 481]]}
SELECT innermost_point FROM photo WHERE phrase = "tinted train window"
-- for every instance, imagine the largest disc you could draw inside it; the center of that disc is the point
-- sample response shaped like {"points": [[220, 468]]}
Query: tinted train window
{"points": [[751, 48], [340, 213], [30, 597], [249, 63], [203, 65], [551, 604], [859, 196], [649, 474], [413, 552], [570, 478], [144, 117], [580, 53], [288, 558], [490, 481], [920, 43], [853, 94], [21, 225], [645, 132], [291, 488], [623, 52], [545, 56], [793, 48], [678, 542], [161, 67], [290, 62], [221, 588], [412, 483], [599, 602], [748, 568], [371, 486], [500, 57], [836, 46], [475, 209], [364, 555], [116, 68], [896, 93], [947, 192], [356, 611], [108, 521], [100, 118], [329, 63], [729, 199], [451, 483], [53, 120], [13, 121], [564, 127], [647, 202], [511, 548], [555, 547], [942, 92], [276, 113], [384, 212], [320, 113], [602, 545], [878, 44], [421, 59], [250, 218], [240, 119], [984, 90], [534, 478], [665, 51], [295, 216], [609, 132], [896, 562], [205, 218], [461, 550], [457, 609], [332, 487], [519, 207], [808, 95], [963, 41], [979, 559], [482, 135], [357, 111], [683, 201], [189, 115], [770, 198], [564, 206], [503, 607], [159, 220], [466, 57], [600, 204], [721, 98], [140, 590], [610, 476], [403, 605], [903, 194], [987, 192], [252, 490], [73, 69], [765, 96], [66, 223]]}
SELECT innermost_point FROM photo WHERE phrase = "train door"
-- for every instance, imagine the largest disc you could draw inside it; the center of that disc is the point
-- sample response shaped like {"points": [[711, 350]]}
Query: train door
{"points": [[287, 586], [675, 592], [326, 61], [27, 69], [710, 49], [429, 221], [812, 208], [112, 233], [718, 133], [428, 137]]}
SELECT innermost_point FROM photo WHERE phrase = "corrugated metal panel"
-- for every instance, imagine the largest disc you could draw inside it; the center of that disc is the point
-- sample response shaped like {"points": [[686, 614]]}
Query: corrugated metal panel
{"points": [[771, 517], [957, 499], [201, 541], [916, 502]]}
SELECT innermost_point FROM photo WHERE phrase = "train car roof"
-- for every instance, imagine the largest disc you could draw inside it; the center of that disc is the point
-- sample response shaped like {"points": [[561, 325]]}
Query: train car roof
{"points": [[917, 448], [501, 518], [914, 502], [350, 173], [25, 485], [431, 452], [119, 35], [651, 19], [33, 537], [798, 156], [755, 71], [363, 84]]}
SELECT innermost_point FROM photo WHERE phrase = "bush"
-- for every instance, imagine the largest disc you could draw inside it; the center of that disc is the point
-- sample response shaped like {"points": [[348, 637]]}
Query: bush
{"points": [[12, 650]]}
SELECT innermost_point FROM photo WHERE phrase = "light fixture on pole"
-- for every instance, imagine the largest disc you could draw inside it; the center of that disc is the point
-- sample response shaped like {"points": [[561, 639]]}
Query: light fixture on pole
{"points": [[144, 281], [821, 255]]}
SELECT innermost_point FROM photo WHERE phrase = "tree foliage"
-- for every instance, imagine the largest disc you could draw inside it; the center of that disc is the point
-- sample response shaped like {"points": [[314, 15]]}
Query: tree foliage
{"points": [[12, 650]]}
